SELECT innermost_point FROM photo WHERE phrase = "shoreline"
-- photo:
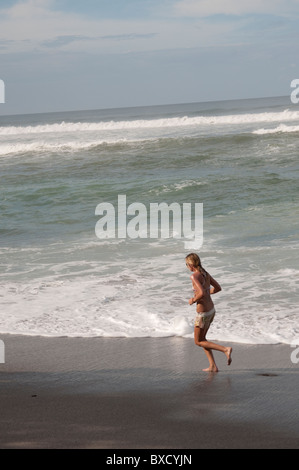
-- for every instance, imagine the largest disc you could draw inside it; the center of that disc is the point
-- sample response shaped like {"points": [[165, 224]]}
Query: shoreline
{"points": [[145, 393]]}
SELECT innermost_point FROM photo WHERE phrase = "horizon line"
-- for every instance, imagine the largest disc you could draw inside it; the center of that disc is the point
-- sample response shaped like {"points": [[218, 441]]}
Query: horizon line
{"points": [[142, 106]]}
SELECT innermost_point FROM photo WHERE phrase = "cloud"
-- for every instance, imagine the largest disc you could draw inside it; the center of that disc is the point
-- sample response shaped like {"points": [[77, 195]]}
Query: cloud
{"points": [[35, 25], [73, 58], [61, 41], [31, 24], [203, 8], [120, 37], [39, 25]]}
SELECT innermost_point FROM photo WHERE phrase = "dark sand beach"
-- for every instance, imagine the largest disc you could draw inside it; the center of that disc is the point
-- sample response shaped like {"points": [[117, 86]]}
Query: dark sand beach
{"points": [[117, 393]]}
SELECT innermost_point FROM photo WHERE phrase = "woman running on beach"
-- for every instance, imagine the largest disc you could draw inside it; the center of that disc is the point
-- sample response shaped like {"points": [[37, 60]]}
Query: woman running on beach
{"points": [[204, 285]]}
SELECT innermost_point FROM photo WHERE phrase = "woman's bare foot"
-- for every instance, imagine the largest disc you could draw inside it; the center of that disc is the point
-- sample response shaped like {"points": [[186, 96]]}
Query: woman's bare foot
{"points": [[211, 369], [228, 354]]}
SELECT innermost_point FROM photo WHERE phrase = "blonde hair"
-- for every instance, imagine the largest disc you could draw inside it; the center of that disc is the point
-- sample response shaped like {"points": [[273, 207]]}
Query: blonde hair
{"points": [[194, 260]]}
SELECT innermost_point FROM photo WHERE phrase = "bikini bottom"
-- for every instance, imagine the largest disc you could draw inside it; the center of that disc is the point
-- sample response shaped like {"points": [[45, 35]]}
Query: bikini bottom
{"points": [[204, 319]]}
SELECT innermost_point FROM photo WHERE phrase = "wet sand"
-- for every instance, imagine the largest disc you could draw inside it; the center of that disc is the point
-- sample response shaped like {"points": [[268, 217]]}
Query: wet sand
{"points": [[151, 393]]}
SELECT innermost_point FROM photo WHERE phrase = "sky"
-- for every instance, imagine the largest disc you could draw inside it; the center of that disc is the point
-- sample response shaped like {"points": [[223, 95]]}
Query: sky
{"points": [[60, 55]]}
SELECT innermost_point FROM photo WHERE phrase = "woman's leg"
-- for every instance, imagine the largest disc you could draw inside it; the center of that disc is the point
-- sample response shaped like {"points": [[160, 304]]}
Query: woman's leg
{"points": [[199, 336], [208, 346]]}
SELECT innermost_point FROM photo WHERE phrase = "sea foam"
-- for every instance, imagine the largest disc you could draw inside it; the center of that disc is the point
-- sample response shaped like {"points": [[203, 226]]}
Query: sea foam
{"points": [[65, 127]]}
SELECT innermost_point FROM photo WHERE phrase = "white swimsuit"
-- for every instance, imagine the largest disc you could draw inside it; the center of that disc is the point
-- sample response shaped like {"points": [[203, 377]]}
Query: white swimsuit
{"points": [[204, 319]]}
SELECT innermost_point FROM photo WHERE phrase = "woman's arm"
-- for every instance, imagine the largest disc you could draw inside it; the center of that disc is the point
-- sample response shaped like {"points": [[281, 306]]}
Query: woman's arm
{"points": [[215, 286]]}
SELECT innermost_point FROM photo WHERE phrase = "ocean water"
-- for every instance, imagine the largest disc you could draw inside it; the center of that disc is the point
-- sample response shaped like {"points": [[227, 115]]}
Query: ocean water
{"points": [[237, 158]]}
